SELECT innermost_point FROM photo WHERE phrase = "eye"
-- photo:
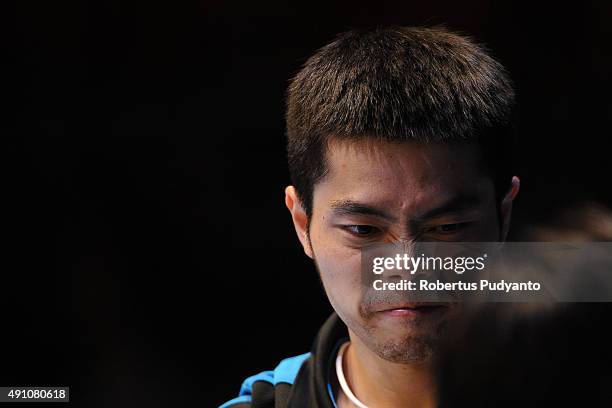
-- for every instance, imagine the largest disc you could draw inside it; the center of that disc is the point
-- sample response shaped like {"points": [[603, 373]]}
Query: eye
{"points": [[447, 228], [361, 230]]}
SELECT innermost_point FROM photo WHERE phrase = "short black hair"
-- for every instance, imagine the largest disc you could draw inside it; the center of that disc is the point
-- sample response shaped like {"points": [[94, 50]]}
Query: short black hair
{"points": [[424, 84]]}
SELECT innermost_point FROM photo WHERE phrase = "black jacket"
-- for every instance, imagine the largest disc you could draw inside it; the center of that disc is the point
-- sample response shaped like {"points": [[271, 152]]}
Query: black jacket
{"points": [[304, 381]]}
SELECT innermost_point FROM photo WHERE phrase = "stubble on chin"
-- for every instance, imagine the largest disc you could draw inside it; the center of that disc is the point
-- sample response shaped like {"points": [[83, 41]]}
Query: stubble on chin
{"points": [[419, 347]]}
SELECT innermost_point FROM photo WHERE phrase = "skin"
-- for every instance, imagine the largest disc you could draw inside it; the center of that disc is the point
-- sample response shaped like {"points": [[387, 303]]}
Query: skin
{"points": [[380, 192]]}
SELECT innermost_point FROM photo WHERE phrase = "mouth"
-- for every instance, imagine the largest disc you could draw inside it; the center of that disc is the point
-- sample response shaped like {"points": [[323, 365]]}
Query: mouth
{"points": [[413, 309]]}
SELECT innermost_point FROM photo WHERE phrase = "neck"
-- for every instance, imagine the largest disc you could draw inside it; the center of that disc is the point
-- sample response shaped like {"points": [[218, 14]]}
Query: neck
{"points": [[380, 383]]}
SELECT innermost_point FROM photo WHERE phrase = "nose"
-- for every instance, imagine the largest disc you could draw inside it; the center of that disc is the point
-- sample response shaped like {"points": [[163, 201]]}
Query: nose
{"points": [[404, 234]]}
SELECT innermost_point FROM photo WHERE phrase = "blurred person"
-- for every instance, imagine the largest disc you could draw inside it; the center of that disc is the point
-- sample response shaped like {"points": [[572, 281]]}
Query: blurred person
{"points": [[582, 222], [529, 355], [534, 354]]}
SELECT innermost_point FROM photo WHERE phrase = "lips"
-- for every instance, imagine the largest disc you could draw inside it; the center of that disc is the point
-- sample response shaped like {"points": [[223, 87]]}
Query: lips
{"points": [[408, 309]]}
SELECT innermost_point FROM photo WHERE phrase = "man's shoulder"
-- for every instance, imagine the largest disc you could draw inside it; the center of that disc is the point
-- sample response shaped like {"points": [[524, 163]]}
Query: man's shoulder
{"points": [[268, 385]]}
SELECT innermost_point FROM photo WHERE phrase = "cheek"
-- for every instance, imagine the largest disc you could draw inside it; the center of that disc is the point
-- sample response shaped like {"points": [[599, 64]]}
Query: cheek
{"points": [[340, 269], [489, 230]]}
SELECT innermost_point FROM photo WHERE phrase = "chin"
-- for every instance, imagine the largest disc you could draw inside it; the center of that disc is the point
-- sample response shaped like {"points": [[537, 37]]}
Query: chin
{"points": [[403, 345], [418, 348]]}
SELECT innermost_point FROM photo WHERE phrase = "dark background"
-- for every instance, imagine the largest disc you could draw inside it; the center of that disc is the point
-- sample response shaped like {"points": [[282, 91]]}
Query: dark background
{"points": [[150, 259]]}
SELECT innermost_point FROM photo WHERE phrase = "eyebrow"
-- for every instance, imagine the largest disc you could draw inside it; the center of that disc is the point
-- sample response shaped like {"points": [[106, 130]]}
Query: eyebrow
{"points": [[350, 207], [459, 202]]}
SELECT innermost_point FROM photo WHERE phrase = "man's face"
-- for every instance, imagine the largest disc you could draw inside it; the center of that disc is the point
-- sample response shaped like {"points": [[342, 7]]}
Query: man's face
{"points": [[379, 192]]}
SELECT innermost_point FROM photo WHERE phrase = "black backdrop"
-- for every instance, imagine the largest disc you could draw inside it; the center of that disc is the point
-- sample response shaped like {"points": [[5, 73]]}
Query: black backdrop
{"points": [[149, 259]]}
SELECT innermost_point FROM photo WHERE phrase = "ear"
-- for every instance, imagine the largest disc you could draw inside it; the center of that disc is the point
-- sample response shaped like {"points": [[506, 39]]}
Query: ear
{"points": [[506, 207], [300, 220]]}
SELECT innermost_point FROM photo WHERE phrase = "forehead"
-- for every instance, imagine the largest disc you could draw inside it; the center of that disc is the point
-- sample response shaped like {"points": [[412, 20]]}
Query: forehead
{"points": [[401, 174]]}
